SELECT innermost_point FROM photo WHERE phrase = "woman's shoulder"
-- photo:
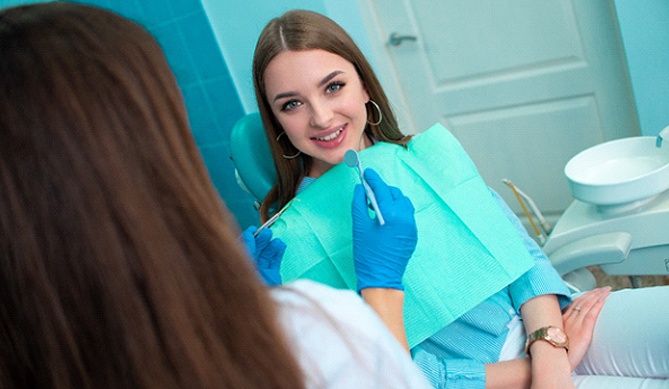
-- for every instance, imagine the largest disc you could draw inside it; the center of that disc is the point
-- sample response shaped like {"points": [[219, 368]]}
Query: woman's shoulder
{"points": [[310, 294], [305, 183], [313, 288], [340, 339]]}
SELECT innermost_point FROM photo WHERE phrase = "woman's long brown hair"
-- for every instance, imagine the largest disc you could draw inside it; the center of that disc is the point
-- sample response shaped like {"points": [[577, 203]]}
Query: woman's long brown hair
{"points": [[120, 266], [300, 30]]}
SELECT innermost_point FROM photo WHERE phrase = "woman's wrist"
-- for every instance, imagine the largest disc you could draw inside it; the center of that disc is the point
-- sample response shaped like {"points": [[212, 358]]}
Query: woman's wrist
{"points": [[389, 306], [385, 301], [547, 360], [387, 293], [544, 350]]}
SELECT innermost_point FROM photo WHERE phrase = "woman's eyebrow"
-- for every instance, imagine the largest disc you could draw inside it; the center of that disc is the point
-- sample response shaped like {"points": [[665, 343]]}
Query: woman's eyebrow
{"points": [[284, 95], [329, 77], [324, 81]]}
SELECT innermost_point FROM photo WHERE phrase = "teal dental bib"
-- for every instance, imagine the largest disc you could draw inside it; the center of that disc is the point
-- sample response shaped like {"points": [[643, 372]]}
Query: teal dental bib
{"points": [[467, 249]]}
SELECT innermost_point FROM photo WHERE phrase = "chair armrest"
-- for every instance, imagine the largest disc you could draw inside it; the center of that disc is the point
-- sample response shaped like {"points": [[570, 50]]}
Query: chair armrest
{"points": [[593, 250]]}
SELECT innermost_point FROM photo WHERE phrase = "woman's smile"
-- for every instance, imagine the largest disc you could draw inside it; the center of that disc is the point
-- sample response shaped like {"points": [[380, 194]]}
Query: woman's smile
{"points": [[319, 100], [332, 140]]}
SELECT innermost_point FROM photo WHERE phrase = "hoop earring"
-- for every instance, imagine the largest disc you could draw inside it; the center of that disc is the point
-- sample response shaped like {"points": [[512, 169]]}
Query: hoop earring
{"points": [[378, 109], [284, 155]]}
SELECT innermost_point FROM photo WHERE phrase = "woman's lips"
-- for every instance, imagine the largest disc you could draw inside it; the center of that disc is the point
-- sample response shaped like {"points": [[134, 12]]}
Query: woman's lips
{"points": [[331, 140]]}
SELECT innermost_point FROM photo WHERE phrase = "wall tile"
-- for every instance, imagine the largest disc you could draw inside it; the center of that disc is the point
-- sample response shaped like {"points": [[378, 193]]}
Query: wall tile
{"points": [[222, 174], [203, 119], [185, 34], [202, 46]]}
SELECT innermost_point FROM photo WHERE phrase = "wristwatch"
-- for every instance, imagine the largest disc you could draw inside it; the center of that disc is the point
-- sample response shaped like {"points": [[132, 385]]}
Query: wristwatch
{"points": [[550, 334]]}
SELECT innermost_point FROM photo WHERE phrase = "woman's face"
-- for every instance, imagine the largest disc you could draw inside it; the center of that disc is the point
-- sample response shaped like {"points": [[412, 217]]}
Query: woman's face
{"points": [[319, 100]]}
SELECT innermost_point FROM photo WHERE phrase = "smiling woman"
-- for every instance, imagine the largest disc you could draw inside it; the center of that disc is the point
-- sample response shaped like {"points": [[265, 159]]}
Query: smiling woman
{"points": [[327, 100], [313, 84], [323, 113]]}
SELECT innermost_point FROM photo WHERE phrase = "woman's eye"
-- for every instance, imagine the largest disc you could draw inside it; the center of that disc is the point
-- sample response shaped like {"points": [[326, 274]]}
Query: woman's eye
{"points": [[287, 106], [334, 86]]}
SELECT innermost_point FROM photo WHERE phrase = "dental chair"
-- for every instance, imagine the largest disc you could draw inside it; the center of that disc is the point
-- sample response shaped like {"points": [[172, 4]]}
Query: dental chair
{"points": [[571, 260], [252, 158], [255, 174]]}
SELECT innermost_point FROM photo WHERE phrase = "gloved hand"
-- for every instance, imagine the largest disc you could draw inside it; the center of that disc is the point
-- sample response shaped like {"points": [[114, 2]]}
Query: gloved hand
{"points": [[266, 253], [381, 253]]}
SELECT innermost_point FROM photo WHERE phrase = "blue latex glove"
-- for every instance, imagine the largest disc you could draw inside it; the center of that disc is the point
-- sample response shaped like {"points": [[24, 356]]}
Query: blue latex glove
{"points": [[381, 253], [266, 253]]}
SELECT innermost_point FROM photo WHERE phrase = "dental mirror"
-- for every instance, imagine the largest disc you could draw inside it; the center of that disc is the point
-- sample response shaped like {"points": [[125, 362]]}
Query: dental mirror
{"points": [[352, 159]]}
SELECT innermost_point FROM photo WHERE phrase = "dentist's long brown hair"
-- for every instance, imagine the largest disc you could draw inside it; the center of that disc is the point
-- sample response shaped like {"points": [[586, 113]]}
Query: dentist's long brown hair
{"points": [[300, 30], [120, 266]]}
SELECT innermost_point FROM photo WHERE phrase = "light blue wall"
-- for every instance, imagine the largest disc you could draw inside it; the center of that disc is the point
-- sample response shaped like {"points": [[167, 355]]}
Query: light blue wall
{"points": [[238, 24], [210, 43], [645, 30], [643, 25]]}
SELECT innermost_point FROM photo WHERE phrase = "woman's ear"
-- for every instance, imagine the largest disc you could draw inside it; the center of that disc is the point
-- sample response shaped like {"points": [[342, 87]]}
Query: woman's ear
{"points": [[364, 88]]}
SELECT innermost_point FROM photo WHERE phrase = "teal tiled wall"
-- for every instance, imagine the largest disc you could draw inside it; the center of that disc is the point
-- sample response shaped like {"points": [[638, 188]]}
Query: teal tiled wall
{"points": [[183, 30]]}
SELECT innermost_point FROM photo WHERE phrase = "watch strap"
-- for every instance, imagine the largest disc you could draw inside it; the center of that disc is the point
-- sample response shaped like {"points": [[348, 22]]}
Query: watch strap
{"points": [[542, 334]]}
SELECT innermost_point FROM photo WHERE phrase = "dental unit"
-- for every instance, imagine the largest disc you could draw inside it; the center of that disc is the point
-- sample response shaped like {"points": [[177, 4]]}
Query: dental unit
{"points": [[620, 214]]}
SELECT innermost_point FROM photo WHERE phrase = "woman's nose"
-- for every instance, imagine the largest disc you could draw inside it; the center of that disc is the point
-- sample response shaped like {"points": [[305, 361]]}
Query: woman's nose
{"points": [[321, 115]]}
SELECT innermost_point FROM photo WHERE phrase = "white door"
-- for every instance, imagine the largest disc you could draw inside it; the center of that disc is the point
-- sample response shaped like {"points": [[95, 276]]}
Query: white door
{"points": [[523, 84]]}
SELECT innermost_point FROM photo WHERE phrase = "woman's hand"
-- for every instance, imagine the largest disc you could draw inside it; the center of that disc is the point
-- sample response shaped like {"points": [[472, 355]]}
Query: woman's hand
{"points": [[579, 320], [549, 364], [381, 252], [266, 253], [550, 368]]}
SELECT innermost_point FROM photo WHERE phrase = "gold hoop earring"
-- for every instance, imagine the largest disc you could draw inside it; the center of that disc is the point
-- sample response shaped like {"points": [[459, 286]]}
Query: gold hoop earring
{"points": [[378, 109], [284, 155]]}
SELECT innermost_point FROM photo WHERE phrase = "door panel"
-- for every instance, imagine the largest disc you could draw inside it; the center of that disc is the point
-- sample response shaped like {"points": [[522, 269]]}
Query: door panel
{"points": [[533, 51], [524, 84], [504, 138]]}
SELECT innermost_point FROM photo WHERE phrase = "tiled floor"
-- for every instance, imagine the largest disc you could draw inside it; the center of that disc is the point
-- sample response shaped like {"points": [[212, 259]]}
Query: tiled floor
{"points": [[622, 282]]}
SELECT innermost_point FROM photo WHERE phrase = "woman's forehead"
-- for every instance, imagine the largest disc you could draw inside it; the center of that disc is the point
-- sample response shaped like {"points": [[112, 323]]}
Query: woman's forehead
{"points": [[304, 68]]}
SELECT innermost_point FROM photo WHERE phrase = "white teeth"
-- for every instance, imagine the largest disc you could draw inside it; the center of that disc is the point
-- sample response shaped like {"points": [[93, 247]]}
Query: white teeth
{"points": [[331, 136]]}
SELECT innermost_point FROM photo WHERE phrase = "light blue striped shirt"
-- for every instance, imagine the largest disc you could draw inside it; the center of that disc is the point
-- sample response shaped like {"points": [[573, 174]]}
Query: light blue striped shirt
{"points": [[455, 356]]}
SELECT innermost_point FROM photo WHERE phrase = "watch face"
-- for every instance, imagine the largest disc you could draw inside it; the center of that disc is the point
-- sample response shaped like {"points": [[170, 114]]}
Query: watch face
{"points": [[557, 335]]}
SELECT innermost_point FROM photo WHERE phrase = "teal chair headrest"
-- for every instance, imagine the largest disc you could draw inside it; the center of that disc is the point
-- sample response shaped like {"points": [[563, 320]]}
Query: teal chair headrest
{"points": [[251, 156]]}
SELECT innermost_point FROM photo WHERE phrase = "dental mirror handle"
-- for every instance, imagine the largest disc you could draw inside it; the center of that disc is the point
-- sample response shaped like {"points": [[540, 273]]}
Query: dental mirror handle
{"points": [[352, 159], [372, 199]]}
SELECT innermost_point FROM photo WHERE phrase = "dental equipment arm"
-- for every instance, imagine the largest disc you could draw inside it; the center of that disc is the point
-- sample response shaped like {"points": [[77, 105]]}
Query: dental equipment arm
{"points": [[540, 236], [545, 226]]}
